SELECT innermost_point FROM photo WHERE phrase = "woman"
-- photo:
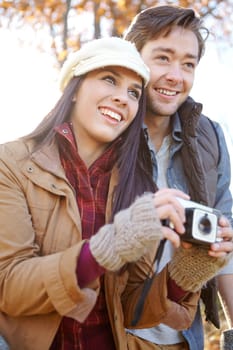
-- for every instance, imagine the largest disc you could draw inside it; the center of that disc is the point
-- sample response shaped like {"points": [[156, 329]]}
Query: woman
{"points": [[72, 261]]}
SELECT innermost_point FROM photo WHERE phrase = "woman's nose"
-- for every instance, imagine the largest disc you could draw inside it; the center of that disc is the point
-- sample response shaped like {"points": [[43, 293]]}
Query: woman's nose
{"points": [[121, 97]]}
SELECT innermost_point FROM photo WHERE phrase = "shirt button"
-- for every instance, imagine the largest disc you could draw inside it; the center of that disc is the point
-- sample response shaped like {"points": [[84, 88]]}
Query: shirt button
{"points": [[65, 131], [30, 169]]}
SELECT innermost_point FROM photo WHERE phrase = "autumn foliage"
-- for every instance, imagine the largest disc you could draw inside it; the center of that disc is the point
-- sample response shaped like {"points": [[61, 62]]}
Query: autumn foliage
{"points": [[69, 23]]}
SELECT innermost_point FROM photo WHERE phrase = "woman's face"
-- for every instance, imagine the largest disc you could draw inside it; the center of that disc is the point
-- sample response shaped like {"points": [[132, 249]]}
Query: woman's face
{"points": [[106, 104]]}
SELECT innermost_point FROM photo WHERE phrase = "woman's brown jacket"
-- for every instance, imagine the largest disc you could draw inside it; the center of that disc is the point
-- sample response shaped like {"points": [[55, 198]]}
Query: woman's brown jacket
{"points": [[40, 240]]}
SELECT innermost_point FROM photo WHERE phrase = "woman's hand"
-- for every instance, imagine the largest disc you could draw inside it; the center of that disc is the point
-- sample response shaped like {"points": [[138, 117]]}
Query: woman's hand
{"points": [[138, 228]]}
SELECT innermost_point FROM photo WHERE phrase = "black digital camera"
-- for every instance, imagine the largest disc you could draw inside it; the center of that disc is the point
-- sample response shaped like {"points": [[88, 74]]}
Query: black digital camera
{"points": [[201, 224]]}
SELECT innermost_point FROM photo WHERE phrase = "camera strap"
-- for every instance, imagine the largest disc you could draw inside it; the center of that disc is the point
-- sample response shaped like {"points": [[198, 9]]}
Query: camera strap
{"points": [[147, 284]]}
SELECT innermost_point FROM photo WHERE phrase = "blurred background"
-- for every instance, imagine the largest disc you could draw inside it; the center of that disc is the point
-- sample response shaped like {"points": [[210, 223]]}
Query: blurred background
{"points": [[37, 35]]}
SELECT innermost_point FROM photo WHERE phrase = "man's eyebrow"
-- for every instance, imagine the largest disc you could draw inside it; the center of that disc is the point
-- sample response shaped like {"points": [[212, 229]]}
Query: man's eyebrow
{"points": [[171, 51]]}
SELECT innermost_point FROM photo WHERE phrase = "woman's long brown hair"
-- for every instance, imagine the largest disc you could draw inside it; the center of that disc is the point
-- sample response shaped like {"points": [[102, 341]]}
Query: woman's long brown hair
{"points": [[133, 155]]}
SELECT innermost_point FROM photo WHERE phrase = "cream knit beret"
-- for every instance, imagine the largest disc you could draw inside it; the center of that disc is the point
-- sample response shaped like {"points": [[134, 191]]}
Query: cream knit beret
{"points": [[98, 53]]}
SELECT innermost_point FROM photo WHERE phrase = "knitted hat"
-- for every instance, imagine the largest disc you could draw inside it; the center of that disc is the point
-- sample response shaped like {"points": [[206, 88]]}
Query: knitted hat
{"points": [[98, 53]]}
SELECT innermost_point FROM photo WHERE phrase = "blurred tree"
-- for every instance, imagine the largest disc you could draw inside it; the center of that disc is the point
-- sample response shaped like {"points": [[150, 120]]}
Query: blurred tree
{"points": [[69, 23]]}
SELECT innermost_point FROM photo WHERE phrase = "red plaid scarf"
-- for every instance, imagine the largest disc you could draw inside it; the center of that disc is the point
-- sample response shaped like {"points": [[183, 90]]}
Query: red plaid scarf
{"points": [[91, 187]]}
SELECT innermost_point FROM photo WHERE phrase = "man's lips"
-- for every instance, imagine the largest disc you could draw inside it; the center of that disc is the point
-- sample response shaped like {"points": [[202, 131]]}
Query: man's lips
{"points": [[166, 92]]}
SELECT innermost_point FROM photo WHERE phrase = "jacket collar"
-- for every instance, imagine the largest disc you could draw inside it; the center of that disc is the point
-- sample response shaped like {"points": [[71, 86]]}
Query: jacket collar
{"points": [[47, 157], [189, 114]]}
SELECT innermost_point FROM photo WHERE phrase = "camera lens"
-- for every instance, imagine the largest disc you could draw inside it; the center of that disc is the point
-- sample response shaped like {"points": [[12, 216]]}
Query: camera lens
{"points": [[205, 225]]}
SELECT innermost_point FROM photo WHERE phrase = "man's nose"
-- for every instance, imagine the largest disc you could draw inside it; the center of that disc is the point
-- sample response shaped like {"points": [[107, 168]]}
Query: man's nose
{"points": [[175, 73]]}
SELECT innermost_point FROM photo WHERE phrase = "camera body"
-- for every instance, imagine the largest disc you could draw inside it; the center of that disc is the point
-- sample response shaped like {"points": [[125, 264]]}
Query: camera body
{"points": [[201, 224]]}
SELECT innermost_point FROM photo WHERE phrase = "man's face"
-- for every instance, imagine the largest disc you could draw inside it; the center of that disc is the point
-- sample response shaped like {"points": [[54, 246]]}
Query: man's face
{"points": [[172, 61]]}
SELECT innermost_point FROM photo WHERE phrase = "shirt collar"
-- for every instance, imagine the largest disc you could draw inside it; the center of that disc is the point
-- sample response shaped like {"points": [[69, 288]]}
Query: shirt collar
{"points": [[176, 130]]}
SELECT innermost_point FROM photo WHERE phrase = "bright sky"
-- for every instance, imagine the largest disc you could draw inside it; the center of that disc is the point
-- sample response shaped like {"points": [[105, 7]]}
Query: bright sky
{"points": [[213, 84], [213, 88], [28, 87]]}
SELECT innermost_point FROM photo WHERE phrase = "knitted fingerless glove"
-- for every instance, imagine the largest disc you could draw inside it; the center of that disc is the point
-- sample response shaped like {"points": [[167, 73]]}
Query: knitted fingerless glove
{"points": [[192, 268], [132, 231]]}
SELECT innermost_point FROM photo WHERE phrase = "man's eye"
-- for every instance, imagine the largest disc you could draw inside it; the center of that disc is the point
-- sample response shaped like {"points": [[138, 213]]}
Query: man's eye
{"points": [[162, 58], [190, 65]]}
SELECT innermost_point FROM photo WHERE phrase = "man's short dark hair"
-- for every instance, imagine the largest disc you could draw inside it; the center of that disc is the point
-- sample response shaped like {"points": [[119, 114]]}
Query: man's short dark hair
{"points": [[158, 21]]}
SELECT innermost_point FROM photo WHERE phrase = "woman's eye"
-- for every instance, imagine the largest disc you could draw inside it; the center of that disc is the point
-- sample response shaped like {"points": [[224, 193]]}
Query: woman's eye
{"points": [[110, 79], [135, 94]]}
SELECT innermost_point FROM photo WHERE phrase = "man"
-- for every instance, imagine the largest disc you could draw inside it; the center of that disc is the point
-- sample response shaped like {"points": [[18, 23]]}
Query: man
{"points": [[189, 151]]}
